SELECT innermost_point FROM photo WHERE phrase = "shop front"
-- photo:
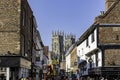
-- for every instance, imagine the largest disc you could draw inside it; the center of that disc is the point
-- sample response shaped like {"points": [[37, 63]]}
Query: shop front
{"points": [[82, 69], [14, 67], [25, 67], [109, 73]]}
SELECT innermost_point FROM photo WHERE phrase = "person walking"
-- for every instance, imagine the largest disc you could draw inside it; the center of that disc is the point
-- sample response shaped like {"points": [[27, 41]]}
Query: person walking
{"points": [[78, 75], [22, 78], [75, 78]]}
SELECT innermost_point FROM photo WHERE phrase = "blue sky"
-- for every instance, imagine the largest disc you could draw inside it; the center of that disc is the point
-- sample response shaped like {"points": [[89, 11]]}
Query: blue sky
{"points": [[70, 16]]}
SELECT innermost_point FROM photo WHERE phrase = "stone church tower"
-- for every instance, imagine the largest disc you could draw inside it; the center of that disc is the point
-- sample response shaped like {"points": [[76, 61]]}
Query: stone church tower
{"points": [[69, 40], [58, 44], [61, 43]]}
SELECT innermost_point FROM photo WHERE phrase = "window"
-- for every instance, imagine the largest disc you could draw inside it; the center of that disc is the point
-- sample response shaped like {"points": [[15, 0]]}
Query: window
{"points": [[117, 37], [97, 59], [38, 58], [82, 52], [23, 44], [30, 22], [87, 42], [29, 45], [5, 69], [92, 38], [2, 69], [55, 46], [79, 52], [23, 17]]}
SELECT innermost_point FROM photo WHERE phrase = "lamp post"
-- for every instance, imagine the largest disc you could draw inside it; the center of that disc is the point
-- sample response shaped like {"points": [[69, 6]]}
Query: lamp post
{"points": [[90, 61]]}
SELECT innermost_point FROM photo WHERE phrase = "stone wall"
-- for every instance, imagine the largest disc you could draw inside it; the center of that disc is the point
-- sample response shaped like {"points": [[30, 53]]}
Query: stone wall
{"points": [[10, 26], [112, 57], [109, 3], [112, 16], [109, 35], [73, 58]]}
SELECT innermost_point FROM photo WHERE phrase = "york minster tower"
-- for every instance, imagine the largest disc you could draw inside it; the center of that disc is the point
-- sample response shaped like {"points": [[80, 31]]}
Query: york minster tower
{"points": [[61, 43], [58, 44], [69, 40]]}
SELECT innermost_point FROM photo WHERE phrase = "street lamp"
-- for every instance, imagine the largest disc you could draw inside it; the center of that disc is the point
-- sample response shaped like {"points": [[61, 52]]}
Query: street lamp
{"points": [[90, 61]]}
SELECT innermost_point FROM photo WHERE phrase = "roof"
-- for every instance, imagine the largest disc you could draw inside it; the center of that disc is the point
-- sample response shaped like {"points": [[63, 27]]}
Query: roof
{"points": [[71, 48], [109, 10], [68, 51], [87, 33], [96, 23]]}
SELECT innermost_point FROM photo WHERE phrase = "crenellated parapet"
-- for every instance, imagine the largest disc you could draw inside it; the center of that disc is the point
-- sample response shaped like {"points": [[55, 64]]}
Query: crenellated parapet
{"points": [[56, 33]]}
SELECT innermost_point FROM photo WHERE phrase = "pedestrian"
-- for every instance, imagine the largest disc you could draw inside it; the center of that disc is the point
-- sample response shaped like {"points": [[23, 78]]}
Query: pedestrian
{"points": [[16, 77], [2, 77], [75, 78], [78, 76], [27, 78], [67, 78], [22, 78], [102, 78], [62, 77]]}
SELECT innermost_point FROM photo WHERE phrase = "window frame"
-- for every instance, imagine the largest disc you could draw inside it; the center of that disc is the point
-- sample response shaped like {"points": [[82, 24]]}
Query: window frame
{"points": [[92, 37]]}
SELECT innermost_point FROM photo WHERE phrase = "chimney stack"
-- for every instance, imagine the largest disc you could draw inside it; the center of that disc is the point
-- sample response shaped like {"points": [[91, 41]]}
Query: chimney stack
{"points": [[109, 3]]}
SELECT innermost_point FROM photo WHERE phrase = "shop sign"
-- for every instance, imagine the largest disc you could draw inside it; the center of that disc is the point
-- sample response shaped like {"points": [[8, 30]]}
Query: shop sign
{"points": [[25, 63]]}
